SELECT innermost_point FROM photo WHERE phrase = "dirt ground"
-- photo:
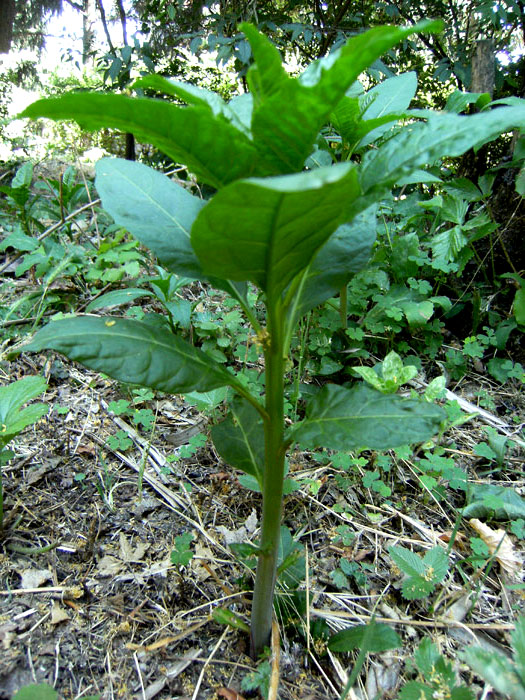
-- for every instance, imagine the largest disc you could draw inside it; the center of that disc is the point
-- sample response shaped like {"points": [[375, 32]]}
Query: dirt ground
{"points": [[102, 610]]}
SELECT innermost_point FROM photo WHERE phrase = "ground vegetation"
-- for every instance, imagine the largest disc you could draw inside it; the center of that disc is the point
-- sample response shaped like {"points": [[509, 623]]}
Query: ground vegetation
{"points": [[130, 501]]}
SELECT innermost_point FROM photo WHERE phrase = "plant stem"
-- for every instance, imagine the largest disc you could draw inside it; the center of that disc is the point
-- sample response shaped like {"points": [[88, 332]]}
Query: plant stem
{"points": [[273, 476], [343, 305]]}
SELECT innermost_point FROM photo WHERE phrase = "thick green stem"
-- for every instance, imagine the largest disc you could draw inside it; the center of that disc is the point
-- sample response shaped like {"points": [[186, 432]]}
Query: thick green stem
{"points": [[273, 476]]}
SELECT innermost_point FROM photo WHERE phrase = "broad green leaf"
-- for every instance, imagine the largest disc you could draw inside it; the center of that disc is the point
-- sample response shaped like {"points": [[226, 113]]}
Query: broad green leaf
{"points": [[414, 306], [518, 306], [346, 252], [489, 501], [267, 75], [371, 377], [495, 669], [345, 419], [423, 143], [19, 240], [156, 211], [13, 419], [191, 94], [238, 111], [239, 439], [133, 352], [118, 297], [374, 637], [40, 691], [16, 422], [23, 176], [192, 135], [392, 96], [392, 367], [277, 226], [345, 118], [409, 562], [206, 400], [287, 121], [518, 645], [16, 394], [426, 656]]}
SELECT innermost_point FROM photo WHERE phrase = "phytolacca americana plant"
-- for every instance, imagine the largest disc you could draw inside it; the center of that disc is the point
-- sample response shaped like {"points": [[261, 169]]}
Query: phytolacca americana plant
{"points": [[298, 236]]}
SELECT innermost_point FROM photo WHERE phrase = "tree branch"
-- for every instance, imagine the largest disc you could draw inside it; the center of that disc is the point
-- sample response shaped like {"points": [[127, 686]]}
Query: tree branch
{"points": [[105, 25]]}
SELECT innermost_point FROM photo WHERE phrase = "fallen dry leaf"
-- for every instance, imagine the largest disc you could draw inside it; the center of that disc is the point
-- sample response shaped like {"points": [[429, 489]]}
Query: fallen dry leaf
{"points": [[109, 565], [34, 578], [229, 694], [58, 614], [131, 554], [500, 543]]}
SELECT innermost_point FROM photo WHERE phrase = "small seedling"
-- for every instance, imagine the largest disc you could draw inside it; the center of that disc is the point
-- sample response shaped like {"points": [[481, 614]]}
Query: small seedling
{"points": [[182, 553], [14, 418], [393, 374], [422, 574], [436, 678]]}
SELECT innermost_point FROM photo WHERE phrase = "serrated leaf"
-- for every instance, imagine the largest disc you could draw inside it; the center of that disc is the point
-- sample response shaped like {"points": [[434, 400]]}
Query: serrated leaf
{"points": [[436, 564], [134, 352], [495, 669], [409, 562], [156, 211], [345, 419], [374, 637], [279, 225], [426, 656], [416, 588], [415, 690]]}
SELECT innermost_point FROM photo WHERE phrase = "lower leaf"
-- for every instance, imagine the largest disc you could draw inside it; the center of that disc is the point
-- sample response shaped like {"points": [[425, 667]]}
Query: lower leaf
{"points": [[132, 352], [342, 418]]}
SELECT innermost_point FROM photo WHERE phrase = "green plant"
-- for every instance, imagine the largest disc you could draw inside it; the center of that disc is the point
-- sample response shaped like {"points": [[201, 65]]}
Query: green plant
{"points": [[436, 677], [182, 553], [421, 574], [371, 638], [505, 675], [292, 234], [42, 691], [14, 418], [393, 374], [258, 679]]}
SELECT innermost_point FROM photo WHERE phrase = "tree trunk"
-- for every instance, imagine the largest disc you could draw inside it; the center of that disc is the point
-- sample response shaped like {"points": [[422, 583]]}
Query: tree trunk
{"points": [[7, 18], [483, 67], [89, 19]]}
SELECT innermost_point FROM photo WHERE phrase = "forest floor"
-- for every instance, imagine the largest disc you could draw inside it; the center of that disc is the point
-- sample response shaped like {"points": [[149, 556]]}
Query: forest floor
{"points": [[106, 612]]}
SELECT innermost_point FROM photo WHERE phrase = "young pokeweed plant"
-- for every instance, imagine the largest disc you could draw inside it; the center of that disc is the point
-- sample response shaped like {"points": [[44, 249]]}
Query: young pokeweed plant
{"points": [[298, 236]]}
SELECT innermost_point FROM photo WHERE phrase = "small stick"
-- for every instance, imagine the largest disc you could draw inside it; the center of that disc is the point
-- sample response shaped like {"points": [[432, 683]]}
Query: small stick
{"points": [[276, 658]]}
